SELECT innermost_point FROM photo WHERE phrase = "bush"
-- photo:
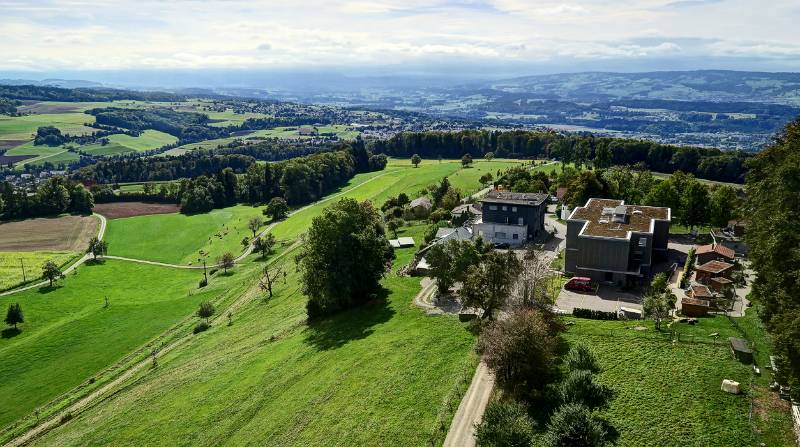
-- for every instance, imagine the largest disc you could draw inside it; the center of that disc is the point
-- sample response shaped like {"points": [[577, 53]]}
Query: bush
{"points": [[573, 425], [687, 268], [594, 314], [201, 327], [505, 424], [580, 388], [581, 358], [203, 283]]}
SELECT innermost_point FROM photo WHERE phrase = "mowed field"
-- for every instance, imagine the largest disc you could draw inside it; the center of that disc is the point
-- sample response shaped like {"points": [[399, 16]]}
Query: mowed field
{"points": [[17, 267], [177, 238], [382, 374], [121, 144], [69, 335]]}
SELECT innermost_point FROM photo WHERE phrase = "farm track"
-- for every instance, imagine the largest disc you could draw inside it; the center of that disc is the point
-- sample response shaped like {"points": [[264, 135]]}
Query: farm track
{"points": [[110, 389]]}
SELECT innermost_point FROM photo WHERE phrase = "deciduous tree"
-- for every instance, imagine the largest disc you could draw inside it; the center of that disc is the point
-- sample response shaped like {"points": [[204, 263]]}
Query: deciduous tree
{"points": [[345, 255], [505, 424], [97, 247], [14, 315], [277, 208], [51, 272], [416, 160], [226, 261], [254, 224], [449, 262], [206, 310], [487, 286]]}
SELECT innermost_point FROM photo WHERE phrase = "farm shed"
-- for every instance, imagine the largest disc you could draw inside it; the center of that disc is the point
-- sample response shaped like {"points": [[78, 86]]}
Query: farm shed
{"points": [[741, 350]]}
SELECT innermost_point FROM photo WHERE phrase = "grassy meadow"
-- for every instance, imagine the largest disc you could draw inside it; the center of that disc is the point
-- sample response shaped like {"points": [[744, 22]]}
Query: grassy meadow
{"points": [[178, 238], [668, 393], [121, 143], [69, 334], [12, 263]]}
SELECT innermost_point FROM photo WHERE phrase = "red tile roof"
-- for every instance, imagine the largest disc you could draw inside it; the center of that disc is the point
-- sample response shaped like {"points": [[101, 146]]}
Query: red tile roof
{"points": [[715, 266], [700, 291], [716, 248]]}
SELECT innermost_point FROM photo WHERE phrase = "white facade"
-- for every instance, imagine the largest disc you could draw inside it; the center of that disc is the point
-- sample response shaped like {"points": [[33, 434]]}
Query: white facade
{"points": [[497, 233]]}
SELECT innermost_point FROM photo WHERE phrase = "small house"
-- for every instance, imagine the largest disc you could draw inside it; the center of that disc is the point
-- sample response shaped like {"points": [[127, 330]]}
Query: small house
{"points": [[693, 307], [714, 252], [421, 207], [713, 269]]}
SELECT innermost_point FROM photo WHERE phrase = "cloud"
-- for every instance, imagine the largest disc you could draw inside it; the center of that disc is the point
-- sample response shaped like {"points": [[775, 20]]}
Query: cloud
{"points": [[66, 34]]}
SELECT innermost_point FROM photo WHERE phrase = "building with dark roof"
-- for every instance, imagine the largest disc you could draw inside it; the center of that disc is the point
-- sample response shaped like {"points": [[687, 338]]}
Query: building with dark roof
{"points": [[610, 241], [511, 217], [713, 252]]}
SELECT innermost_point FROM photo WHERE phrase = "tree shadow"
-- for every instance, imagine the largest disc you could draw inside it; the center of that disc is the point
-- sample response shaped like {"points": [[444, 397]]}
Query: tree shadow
{"points": [[92, 261], [355, 324], [48, 289], [10, 332]]}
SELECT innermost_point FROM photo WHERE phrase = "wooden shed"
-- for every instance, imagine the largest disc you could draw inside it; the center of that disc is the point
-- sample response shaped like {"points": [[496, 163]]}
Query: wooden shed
{"points": [[741, 350]]}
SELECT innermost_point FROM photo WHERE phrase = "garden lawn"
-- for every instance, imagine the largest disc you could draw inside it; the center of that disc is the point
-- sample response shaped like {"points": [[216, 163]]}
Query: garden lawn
{"points": [[383, 374], [68, 335], [12, 263], [177, 238], [668, 394]]}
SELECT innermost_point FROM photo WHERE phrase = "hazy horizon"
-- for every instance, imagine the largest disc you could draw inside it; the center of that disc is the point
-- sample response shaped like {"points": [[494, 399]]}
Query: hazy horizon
{"points": [[480, 39]]}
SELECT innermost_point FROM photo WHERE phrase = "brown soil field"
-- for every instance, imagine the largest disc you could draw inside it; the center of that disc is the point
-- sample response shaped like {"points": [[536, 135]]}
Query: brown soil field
{"points": [[66, 233], [130, 209], [8, 144], [39, 108]]}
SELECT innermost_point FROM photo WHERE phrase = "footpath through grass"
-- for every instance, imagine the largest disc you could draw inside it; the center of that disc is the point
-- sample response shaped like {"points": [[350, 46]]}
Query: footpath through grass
{"points": [[178, 238], [382, 374], [22, 266], [69, 334]]}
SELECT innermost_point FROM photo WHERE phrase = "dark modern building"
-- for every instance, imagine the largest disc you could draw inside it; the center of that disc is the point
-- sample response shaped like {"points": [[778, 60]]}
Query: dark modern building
{"points": [[609, 241], [511, 217]]}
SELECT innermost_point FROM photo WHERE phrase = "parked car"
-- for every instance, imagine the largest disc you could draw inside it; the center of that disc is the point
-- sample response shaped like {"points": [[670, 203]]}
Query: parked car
{"points": [[580, 284], [502, 245]]}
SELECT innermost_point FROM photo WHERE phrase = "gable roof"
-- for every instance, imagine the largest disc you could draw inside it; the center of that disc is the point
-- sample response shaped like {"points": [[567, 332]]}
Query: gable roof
{"points": [[715, 266], [716, 248], [701, 291]]}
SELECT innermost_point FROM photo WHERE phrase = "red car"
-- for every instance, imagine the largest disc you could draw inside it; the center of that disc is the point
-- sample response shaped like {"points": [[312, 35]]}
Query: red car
{"points": [[580, 284]]}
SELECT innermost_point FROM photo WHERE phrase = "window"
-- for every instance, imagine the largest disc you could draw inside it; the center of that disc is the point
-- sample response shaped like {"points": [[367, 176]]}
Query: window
{"points": [[493, 207], [514, 209], [499, 235], [515, 236], [505, 208], [519, 221]]}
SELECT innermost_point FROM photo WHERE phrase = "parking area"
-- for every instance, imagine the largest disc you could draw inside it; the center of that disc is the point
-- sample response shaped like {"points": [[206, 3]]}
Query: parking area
{"points": [[607, 299]]}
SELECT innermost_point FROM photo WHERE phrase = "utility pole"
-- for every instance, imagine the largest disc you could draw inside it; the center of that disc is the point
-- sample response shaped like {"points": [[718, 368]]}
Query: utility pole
{"points": [[205, 275], [24, 279]]}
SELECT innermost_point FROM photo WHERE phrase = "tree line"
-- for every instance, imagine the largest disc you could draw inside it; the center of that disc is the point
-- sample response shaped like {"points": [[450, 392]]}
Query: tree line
{"points": [[602, 152], [773, 237], [55, 196]]}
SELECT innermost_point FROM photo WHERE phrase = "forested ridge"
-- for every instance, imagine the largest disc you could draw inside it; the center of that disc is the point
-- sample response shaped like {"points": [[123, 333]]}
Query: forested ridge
{"points": [[706, 163]]}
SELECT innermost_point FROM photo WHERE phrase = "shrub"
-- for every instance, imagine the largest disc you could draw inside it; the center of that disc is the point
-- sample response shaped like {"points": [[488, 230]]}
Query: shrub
{"points": [[203, 283], [201, 327], [505, 424], [573, 425], [579, 387], [594, 314], [581, 358], [687, 268]]}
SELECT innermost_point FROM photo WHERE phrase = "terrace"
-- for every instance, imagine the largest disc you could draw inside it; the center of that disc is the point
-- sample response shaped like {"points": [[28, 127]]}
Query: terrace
{"points": [[612, 219]]}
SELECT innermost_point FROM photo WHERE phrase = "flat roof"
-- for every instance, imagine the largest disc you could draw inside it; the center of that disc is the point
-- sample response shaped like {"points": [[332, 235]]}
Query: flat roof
{"points": [[599, 215], [515, 198]]}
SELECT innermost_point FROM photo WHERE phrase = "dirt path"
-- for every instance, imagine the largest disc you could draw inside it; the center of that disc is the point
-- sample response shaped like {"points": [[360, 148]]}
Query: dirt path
{"points": [[470, 410], [108, 389], [100, 233]]}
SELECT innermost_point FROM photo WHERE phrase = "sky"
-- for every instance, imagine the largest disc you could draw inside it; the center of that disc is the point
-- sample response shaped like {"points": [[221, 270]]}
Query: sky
{"points": [[410, 36]]}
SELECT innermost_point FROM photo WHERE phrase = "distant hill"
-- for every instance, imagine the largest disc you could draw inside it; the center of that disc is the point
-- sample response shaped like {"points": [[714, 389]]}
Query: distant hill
{"points": [[706, 85]]}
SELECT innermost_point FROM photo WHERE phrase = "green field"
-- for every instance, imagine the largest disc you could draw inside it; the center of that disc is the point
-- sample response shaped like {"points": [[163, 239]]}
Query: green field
{"points": [[229, 118], [12, 264], [121, 143], [24, 127], [668, 394], [68, 335], [207, 144], [178, 238]]}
